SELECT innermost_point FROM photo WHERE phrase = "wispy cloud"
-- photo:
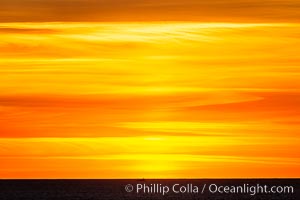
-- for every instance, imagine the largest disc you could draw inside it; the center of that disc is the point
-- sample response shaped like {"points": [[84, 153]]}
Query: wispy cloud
{"points": [[131, 94]]}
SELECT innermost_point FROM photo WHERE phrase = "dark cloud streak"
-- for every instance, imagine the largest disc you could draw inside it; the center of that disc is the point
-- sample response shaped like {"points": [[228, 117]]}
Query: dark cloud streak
{"points": [[148, 10]]}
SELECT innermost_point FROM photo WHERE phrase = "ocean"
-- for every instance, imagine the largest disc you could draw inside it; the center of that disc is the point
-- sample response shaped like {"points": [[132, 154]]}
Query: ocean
{"points": [[206, 189]]}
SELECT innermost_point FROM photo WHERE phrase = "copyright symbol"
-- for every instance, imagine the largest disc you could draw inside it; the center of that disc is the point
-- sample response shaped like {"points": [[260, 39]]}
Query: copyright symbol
{"points": [[129, 188]]}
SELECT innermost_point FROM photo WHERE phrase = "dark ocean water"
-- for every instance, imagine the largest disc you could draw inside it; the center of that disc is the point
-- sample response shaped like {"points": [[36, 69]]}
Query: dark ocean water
{"points": [[116, 189]]}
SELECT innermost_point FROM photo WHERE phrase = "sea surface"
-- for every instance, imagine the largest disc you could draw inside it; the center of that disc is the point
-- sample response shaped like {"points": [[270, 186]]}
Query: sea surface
{"points": [[148, 189]]}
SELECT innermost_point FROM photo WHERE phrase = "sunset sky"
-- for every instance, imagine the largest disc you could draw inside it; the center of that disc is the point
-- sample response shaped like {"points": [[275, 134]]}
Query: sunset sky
{"points": [[149, 89]]}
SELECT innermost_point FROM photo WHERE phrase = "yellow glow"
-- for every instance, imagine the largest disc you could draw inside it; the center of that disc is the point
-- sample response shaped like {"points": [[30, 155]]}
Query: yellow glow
{"points": [[172, 99]]}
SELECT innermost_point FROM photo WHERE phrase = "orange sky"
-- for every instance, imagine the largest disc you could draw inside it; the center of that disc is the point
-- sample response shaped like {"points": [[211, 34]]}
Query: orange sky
{"points": [[150, 10], [186, 99]]}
